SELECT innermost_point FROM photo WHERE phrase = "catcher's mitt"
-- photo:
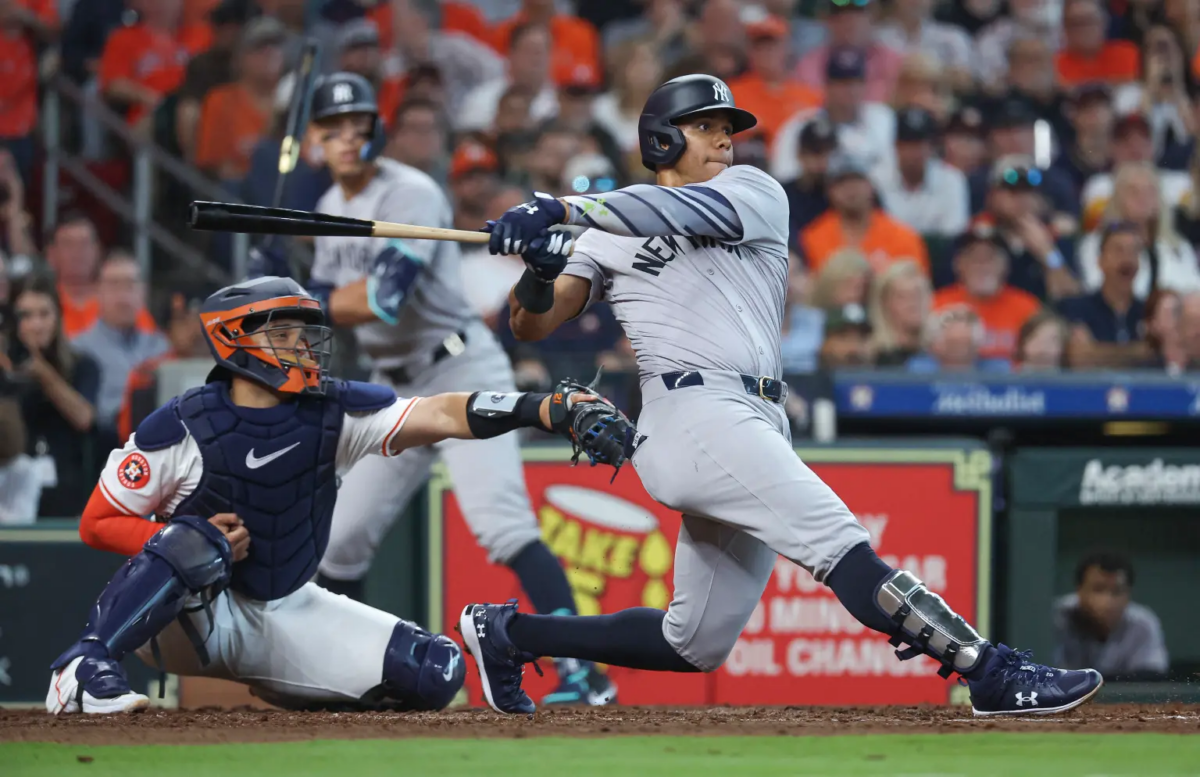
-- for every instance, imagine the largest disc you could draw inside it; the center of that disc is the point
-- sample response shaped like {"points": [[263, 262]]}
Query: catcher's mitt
{"points": [[595, 427]]}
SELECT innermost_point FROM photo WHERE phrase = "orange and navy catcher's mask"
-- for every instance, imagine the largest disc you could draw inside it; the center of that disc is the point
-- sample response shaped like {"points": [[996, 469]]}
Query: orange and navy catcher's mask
{"points": [[244, 323]]}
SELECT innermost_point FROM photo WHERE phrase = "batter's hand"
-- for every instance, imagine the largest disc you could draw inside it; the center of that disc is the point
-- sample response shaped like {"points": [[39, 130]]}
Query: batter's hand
{"points": [[547, 254], [513, 232], [236, 534]]}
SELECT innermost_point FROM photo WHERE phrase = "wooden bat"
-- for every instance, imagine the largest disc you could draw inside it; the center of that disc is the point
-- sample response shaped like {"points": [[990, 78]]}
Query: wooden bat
{"points": [[258, 220]]}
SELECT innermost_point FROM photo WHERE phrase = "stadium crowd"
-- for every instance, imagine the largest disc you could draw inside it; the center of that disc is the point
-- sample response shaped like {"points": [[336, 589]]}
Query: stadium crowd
{"points": [[994, 185]]}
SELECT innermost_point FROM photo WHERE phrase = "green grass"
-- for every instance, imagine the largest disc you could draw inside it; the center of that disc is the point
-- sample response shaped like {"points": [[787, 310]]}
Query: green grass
{"points": [[971, 755]]}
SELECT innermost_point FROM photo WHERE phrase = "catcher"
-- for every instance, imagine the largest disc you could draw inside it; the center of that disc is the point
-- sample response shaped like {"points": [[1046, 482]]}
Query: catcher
{"points": [[223, 500]]}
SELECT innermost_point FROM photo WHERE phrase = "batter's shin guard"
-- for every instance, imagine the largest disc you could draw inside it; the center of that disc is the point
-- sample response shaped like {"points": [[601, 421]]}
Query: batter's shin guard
{"points": [[922, 620], [189, 556]]}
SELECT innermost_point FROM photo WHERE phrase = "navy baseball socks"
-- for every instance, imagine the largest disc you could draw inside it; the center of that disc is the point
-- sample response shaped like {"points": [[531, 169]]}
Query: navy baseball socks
{"points": [[544, 582], [895, 603]]}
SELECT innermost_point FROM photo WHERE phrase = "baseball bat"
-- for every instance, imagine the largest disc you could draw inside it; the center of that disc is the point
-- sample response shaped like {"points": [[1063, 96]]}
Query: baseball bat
{"points": [[257, 220]]}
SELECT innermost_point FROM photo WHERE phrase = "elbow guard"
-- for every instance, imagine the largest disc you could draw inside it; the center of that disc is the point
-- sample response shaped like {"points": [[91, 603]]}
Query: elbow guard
{"points": [[491, 414], [392, 277]]}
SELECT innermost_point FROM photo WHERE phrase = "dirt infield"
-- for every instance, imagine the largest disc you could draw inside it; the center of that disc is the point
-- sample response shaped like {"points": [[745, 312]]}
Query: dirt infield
{"points": [[254, 725]]}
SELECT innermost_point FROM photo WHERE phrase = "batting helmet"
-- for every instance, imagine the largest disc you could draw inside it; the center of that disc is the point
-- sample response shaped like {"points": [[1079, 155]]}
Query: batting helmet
{"points": [[342, 93], [661, 141], [291, 365]]}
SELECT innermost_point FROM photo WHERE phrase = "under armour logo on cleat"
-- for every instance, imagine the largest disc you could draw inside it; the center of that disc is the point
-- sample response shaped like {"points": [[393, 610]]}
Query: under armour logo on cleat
{"points": [[1031, 699], [479, 630]]}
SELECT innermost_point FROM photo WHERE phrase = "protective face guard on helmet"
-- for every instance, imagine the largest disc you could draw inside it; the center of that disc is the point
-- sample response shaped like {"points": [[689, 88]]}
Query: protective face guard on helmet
{"points": [[661, 141], [245, 342]]}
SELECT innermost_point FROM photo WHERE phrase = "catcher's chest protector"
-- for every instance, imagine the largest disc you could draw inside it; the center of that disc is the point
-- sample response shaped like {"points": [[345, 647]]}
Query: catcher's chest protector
{"points": [[276, 469]]}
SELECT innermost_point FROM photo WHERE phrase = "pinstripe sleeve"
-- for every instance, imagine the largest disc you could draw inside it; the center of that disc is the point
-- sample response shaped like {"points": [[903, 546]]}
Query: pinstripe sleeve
{"points": [[741, 205]]}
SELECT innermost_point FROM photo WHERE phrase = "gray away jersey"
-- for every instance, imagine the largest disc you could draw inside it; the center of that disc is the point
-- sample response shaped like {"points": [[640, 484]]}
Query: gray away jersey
{"points": [[691, 301], [436, 307]]}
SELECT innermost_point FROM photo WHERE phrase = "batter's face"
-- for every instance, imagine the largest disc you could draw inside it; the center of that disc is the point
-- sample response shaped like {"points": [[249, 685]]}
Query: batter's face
{"points": [[709, 146], [342, 140]]}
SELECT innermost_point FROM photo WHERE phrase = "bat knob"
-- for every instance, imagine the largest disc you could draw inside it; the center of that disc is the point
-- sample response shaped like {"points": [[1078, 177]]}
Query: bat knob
{"points": [[193, 215]]}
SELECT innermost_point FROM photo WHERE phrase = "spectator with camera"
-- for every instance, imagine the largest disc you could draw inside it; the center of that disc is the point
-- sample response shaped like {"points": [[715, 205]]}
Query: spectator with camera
{"points": [[57, 387]]}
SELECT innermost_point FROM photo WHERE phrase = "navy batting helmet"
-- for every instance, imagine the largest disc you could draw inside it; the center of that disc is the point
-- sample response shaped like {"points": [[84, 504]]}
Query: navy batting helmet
{"points": [[292, 358], [661, 141], [341, 93]]}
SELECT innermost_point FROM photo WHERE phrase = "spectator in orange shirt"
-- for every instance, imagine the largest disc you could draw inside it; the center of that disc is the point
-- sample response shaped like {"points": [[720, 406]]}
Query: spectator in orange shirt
{"points": [[234, 117], [574, 41], [981, 266], [1086, 55], [147, 60], [23, 25], [186, 336], [855, 221], [766, 90], [73, 253]]}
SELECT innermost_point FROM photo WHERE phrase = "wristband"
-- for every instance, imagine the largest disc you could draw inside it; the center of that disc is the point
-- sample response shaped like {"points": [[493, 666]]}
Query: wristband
{"points": [[491, 414], [534, 294]]}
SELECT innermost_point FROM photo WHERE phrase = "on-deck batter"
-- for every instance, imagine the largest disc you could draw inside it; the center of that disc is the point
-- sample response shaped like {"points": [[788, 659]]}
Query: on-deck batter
{"points": [[695, 268], [405, 301]]}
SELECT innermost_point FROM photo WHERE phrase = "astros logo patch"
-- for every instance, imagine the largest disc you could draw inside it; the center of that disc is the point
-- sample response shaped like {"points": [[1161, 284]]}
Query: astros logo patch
{"points": [[134, 472]]}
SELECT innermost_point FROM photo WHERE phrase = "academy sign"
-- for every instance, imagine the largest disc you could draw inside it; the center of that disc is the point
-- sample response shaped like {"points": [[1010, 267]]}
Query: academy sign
{"points": [[1139, 484]]}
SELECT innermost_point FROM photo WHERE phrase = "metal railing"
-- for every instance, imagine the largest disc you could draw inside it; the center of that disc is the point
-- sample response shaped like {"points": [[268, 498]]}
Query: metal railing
{"points": [[149, 160]]}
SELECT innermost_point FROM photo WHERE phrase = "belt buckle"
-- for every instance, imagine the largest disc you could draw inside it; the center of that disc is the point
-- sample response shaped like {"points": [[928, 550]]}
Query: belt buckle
{"points": [[762, 388], [454, 344]]}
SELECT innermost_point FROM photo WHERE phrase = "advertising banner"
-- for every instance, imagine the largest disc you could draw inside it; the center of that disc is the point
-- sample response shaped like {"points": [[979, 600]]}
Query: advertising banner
{"points": [[927, 509]]}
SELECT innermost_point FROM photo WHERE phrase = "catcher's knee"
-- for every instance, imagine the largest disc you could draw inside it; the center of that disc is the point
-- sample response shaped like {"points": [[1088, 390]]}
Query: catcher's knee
{"points": [[422, 671]]}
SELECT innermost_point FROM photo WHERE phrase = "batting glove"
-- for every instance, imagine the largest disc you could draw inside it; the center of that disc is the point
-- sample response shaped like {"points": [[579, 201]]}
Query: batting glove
{"points": [[547, 254], [513, 232]]}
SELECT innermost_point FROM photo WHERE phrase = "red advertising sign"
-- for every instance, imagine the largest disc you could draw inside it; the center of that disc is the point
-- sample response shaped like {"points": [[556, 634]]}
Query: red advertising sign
{"points": [[928, 511]]}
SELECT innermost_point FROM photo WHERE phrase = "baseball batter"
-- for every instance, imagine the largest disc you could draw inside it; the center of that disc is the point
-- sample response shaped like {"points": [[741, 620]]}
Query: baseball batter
{"points": [[405, 301], [243, 472], [695, 268]]}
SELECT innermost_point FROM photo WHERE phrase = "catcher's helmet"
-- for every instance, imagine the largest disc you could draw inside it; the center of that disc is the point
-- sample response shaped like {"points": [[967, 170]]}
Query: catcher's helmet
{"points": [[661, 141], [232, 317], [341, 93]]}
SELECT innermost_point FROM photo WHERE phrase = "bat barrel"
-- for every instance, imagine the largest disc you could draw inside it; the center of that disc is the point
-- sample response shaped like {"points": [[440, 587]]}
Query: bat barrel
{"points": [[257, 220]]}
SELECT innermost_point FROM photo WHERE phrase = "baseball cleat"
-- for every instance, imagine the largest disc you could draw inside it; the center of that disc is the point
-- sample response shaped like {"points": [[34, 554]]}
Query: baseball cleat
{"points": [[581, 683], [1015, 685], [484, 629], [93, 686]]}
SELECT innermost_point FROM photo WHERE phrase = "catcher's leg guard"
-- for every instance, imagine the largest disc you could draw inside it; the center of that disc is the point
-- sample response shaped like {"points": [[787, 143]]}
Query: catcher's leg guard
{"points": [[189, 556], [421, 671], [924, 621]]}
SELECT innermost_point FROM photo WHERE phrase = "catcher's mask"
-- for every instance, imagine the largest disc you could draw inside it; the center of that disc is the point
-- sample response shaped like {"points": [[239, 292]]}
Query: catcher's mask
{"points": [[271, 331]]}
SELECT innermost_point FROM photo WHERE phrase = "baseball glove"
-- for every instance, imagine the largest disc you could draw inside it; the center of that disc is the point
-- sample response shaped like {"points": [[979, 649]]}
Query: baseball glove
{"points": [[595, 427]]}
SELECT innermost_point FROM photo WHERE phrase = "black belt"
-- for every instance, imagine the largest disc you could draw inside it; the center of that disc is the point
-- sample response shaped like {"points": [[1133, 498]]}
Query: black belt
{"points": [[766, 388], [453, 345]]}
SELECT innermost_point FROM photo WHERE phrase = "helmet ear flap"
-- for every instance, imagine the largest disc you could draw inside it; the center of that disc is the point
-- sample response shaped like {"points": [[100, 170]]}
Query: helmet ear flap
{"points": [[662, 144], [378, 140]]}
